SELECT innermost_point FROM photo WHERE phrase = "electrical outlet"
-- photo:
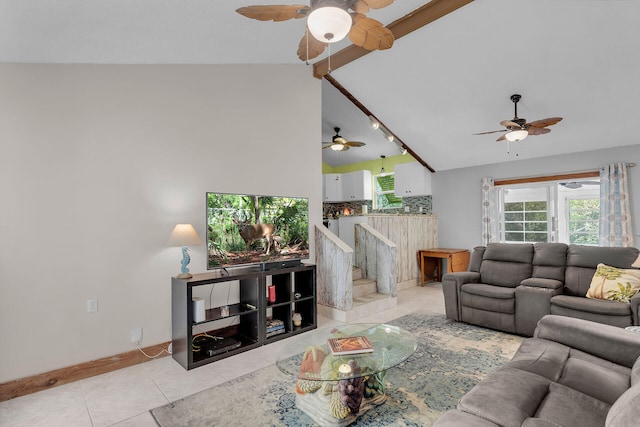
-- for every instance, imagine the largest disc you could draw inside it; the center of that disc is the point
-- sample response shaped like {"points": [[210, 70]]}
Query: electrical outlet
{"points": [[406, 208], [136, 335], [92, 305]]}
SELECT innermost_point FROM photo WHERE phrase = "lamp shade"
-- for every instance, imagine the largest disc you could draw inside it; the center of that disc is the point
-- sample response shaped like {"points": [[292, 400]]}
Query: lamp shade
{"points": [[184, 235], [516, 135], [329, 24]]}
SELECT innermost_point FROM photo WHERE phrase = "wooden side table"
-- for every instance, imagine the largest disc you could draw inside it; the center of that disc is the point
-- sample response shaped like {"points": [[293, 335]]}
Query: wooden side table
{"points": [[457, 260]]}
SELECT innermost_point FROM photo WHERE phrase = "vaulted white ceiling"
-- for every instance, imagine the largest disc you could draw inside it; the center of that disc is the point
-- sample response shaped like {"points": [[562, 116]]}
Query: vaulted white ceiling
{"points": [[579, 59]]}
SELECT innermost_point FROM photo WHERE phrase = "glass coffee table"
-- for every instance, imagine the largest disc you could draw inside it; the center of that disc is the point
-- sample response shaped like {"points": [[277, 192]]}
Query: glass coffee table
{"points": [[335, 389]]}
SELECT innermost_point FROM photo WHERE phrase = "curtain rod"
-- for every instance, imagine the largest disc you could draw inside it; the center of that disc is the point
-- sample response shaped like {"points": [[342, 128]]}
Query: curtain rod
{"points": [[557, 177]]}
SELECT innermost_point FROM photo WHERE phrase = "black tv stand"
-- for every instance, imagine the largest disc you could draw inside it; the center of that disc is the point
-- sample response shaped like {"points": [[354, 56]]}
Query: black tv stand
{"points": [[268, 266], [249, 327]]}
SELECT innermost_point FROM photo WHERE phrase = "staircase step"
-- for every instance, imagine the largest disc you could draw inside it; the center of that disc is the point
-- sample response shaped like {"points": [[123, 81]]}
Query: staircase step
{"points": [[357, 273], [362, 287]]}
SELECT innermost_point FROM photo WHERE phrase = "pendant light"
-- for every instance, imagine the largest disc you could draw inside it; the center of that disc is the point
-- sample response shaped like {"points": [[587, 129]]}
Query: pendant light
{"points": [[382, 163]]}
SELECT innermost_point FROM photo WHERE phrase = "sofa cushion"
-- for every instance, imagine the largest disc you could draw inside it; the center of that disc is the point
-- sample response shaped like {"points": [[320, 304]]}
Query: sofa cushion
{"points": [[582, 262], [541, 357], [567, 407], [610, 308], [593, 379], [616, 284], [476, 258], [505, 264], [626, 411], [549, 260], [506, 397], [488, 297]]}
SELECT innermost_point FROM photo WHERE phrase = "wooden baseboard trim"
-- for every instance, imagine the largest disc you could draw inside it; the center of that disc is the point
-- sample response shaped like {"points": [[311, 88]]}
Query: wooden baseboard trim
{"points": [[47, 380]]}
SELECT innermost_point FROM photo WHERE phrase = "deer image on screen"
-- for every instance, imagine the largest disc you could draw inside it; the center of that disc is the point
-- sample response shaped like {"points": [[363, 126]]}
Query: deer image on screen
{"points": [[253, 232]]}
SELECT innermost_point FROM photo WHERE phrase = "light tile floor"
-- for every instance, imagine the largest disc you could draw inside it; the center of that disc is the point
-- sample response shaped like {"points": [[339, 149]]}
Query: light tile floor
{"points": [[124, 397]]}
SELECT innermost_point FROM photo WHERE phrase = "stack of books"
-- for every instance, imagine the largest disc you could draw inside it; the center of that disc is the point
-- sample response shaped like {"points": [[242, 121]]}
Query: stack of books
{"points": [[275, 327]]}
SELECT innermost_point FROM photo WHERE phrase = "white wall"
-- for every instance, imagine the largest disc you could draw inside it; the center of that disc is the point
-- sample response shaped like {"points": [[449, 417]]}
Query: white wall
{"points": [[99, 162], [457, 195]]}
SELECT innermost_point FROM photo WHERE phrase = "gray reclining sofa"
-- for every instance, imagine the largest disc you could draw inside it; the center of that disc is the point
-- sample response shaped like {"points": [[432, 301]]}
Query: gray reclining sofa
{"points": [[510, 287], [573, 372]]}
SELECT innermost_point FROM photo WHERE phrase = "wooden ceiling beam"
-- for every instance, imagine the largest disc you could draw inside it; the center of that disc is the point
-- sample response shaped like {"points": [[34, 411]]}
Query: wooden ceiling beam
{"points": [[417, 19], [368, 113]]}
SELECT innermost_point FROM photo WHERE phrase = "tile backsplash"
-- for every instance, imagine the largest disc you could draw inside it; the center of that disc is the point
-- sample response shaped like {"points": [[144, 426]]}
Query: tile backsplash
{"points": [[355, 208]]}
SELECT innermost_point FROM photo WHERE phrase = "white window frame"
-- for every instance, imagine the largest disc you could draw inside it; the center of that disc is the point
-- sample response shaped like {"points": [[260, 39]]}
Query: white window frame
{"points": [[557, 206], [376, 192]]}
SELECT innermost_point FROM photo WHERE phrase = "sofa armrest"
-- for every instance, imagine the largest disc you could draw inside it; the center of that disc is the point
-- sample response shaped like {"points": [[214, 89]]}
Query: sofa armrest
{"points": [[538, 282], [451, 284], [533, 301], [608, 342], [635, 309]]}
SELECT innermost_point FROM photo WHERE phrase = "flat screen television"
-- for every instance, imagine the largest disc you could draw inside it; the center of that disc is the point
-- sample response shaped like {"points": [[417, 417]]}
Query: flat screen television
{"points": [[245, 229]]}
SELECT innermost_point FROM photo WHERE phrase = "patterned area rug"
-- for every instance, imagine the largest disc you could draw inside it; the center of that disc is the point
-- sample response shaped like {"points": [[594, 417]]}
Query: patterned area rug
{"points": [[451, 358]]}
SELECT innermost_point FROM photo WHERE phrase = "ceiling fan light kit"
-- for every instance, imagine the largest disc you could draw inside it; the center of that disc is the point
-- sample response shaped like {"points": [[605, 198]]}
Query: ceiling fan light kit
{"points": [[329, 24], [516, 135]]}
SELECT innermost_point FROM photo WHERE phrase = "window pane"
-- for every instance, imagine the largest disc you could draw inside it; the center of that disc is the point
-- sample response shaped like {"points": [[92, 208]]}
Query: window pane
{"points": [[536, 237], [536, 226], [514, 237], [513, 216], [514, 226], [535, 216], [513, 206], [536, 206], [583, 239]]}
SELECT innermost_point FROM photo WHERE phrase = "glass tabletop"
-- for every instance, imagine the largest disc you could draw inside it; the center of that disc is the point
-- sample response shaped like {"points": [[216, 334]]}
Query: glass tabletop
{"points": [[309, 357]]}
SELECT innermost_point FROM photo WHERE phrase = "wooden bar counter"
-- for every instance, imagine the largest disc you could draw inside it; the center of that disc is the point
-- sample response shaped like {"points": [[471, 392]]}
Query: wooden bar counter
{"points": [[430, 261]]}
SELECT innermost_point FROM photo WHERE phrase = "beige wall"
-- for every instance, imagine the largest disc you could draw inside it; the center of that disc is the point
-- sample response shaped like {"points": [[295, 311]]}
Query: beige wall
{"points": [[99, 162]]}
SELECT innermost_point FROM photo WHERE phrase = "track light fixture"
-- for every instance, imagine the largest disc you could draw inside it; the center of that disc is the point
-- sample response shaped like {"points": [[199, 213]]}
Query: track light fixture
{"points": [[375, 124]]}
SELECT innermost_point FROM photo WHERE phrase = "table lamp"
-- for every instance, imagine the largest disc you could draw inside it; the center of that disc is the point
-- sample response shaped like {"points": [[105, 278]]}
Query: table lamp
{"points": [[184, 235]]}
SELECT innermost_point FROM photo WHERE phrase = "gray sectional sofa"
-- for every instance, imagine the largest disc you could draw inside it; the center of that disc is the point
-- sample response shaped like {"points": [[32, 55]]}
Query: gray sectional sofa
{"points": [[510, 287], [573, 372]]}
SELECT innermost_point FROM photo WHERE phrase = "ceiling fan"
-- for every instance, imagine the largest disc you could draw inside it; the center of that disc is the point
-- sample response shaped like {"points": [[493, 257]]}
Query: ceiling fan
{"points": [[329, 21], [518, 129], [338, 143]]}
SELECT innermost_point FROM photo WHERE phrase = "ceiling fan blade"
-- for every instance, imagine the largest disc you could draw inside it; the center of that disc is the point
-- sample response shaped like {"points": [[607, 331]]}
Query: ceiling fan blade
{"points": [[376, 4], [355, 144], [543, 123], [309, 47], [502, 138], [369, 33], [360, 6], [493, 131], [509, 124], [274, 13], [537, 131]]}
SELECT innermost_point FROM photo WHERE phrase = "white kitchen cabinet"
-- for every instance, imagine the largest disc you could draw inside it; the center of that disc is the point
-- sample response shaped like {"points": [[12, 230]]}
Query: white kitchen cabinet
{"points": [[412, 179], [357, 186], [332, 187]]}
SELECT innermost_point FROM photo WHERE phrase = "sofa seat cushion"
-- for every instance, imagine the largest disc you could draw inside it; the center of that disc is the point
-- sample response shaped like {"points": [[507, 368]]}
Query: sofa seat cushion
{"points": [[506, 397], [567, 407], [488, 297], [610, 308], [541, 357], [590, 375]]}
